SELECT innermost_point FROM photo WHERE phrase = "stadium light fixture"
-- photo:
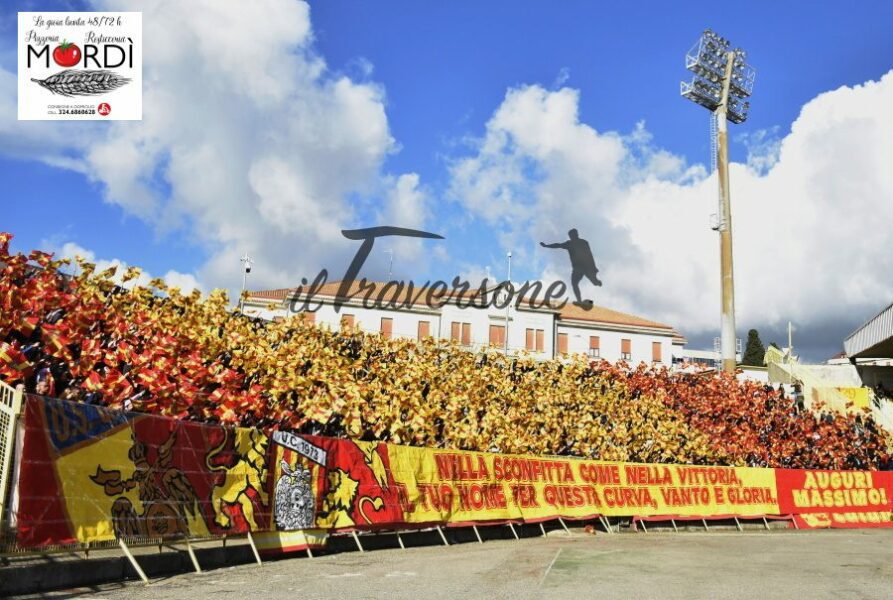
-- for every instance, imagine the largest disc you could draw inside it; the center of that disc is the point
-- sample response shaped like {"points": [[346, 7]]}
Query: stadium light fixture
{"points": [[722, 81]]}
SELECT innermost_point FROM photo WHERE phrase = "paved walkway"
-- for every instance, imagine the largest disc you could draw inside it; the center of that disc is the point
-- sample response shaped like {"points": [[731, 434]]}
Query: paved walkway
{"points": [[780, 564]]}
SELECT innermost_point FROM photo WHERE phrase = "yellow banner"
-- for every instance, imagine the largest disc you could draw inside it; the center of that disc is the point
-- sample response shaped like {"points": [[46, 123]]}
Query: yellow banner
{"points": [[460, 487]]}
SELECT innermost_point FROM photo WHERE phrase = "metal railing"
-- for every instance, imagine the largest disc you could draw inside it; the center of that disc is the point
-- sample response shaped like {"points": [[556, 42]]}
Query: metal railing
{"points": [[10, 407]]}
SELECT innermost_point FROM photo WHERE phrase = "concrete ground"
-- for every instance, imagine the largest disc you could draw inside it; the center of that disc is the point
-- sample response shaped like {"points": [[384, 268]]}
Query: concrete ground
{"points": [[779, 564]]}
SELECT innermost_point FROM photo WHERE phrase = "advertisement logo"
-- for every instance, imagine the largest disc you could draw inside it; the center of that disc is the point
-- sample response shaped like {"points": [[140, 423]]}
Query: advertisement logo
{"points": [[72, 64]]}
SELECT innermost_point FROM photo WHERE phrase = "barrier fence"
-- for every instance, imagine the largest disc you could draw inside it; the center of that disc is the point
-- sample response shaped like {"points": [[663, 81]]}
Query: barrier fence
{"points": [[10, 406], [87, 474]]}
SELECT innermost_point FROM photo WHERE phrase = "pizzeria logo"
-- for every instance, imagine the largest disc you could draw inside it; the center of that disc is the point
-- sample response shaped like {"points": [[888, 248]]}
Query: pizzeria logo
{"points": [[68, 61]]}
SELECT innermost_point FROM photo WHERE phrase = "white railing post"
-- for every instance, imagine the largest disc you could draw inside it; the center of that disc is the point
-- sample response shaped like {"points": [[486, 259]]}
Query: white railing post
{"points": [[10, 407]]}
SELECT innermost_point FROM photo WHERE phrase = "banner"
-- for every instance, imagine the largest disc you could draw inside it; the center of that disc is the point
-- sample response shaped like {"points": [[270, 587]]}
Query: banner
{"points": [[90, 474], [836, 498], [433, 486]]}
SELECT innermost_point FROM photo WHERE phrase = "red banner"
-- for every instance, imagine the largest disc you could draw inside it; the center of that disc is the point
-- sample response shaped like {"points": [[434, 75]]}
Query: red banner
{"points": [[836, 498]]}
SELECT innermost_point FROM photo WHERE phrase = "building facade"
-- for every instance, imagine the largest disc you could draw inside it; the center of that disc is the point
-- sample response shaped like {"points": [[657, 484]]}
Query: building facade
{"points": [[543, 332]]}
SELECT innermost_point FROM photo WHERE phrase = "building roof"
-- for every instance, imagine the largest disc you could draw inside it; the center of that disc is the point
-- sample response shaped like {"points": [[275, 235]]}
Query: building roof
{"points": [[597, 314], [279, 294], [600, 314]]}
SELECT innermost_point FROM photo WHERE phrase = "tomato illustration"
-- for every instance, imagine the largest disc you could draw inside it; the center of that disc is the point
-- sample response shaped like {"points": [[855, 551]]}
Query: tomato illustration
{"points": [[67, 54]]}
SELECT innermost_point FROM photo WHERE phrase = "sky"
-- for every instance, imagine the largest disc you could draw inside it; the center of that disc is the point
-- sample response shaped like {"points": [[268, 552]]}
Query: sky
{"points": [[270, 126]]}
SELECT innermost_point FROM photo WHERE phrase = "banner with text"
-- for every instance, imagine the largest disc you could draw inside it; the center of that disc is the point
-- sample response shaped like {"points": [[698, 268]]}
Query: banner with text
{"points": [[836, 498], [88, 474]]}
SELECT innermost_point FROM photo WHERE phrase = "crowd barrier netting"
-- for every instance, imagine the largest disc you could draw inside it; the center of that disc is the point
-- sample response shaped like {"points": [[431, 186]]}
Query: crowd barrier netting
{"points": [[90, 474]]}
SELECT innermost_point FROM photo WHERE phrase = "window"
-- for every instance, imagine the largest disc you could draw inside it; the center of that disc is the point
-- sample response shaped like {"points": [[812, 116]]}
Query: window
{"points": [[594, 346], [387, 327], [497, 335], [626, 349], [562, 344], [347, 322], [656, 348], [461, 332], [535, 339], [308, 317], [424, 329]]}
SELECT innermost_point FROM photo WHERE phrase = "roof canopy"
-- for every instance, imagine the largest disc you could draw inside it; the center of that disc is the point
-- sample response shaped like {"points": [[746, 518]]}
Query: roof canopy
{"points": [[874, 339]]}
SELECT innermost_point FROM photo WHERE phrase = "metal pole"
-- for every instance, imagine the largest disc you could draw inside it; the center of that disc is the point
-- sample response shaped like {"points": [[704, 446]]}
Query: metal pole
{"points": [[134, 564], [254, 548], [192, 556], [507, 305], [244, 283], [442, 536], [729, 358], [790, 344], [247, 268]]}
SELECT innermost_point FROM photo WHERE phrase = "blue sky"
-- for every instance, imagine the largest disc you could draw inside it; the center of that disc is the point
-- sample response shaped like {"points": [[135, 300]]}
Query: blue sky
{"points": [[441, 72]]}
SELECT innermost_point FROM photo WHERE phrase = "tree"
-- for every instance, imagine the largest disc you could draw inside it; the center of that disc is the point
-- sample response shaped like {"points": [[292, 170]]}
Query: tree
{"points": [[755, 350]]}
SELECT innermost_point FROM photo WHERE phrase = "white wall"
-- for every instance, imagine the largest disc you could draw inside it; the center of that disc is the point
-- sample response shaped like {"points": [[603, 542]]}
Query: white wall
{"points": [[749, 373], [519, 322], [257, 308], [405, 324], [578, 343]]}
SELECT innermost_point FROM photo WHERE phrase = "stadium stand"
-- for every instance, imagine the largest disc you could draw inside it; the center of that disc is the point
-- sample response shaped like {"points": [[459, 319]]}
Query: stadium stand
{"points": [[98, 338]]}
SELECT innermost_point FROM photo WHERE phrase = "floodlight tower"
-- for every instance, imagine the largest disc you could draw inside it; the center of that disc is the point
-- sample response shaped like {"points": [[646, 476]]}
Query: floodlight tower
{"points": [[721, 83]]}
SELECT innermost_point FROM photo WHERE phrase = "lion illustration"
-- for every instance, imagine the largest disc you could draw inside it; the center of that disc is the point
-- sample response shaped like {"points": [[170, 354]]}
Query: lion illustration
{"points": [[248, 472], [337, 505], [167, 497]]}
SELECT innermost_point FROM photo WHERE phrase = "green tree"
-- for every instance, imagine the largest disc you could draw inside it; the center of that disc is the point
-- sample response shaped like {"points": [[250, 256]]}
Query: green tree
{"points": [[754, 351]]}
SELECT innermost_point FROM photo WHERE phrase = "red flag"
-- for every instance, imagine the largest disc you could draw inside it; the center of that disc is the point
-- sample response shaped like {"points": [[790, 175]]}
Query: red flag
{"points": [[56, 342], [4, 243], [93, 382], [12, 357], [41, 258], [125, 352], [27, 325], [148, 377]]}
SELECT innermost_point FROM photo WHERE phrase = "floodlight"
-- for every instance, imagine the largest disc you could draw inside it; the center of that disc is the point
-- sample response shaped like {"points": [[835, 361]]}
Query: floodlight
{"points": [[721, 82]]}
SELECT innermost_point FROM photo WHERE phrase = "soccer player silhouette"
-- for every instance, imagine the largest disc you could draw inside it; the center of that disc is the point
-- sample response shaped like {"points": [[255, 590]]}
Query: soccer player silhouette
{"points": [[582, 264]]}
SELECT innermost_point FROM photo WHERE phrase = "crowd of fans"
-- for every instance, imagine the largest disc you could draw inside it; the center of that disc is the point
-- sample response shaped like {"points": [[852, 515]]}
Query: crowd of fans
{"points": [[68, 331]]}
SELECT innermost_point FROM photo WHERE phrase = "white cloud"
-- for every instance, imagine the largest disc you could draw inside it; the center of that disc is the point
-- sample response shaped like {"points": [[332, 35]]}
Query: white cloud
{"points": [[763, 148], [70, 250], [811, 211], [248, 140]]}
